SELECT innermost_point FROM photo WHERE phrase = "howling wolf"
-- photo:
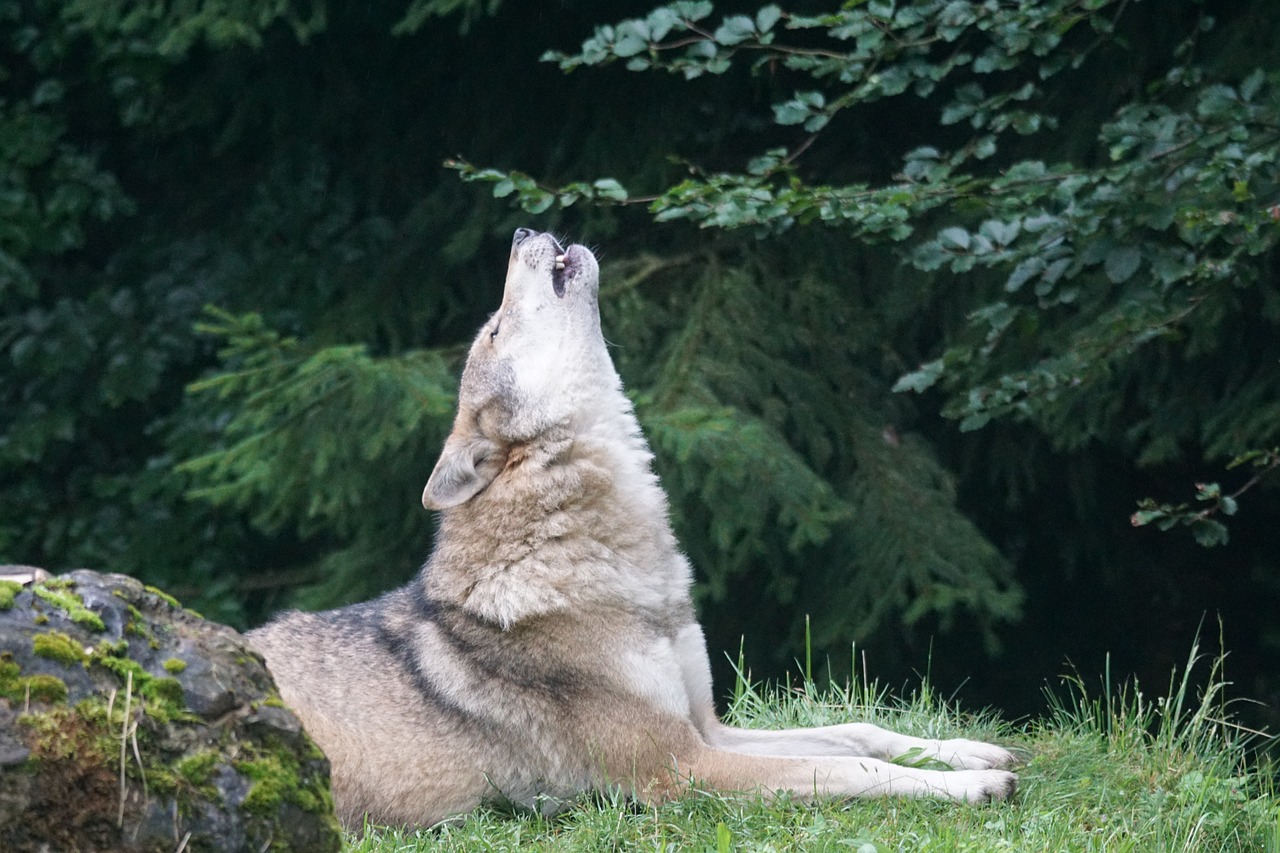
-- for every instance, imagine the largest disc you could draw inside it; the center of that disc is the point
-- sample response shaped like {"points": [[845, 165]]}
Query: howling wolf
{"points": [[549, 646]]}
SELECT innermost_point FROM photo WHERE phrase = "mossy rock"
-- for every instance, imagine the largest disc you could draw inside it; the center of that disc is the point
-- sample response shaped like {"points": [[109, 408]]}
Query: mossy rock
{"points": [[100, 674]]}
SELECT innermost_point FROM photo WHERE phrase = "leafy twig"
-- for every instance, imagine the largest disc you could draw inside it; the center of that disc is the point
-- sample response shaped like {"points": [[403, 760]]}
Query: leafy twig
{"points": [[1204, 526]]}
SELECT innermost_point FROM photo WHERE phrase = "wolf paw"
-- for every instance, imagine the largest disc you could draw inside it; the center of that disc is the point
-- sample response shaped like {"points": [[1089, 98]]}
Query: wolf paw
{"points": [[964, 754], [981, 786]]}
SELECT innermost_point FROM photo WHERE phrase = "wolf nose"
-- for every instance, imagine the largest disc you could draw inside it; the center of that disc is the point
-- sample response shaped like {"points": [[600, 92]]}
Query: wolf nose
{"points": [[521, 235]]}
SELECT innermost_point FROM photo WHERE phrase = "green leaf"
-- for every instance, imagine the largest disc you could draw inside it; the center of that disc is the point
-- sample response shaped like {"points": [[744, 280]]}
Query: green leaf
{"points": [[630, 38], [791, 112], [766, 17], [1121, 263], [1209, 532], [48, 92], [1144, 517], [609, 188], [538, 202], [954, 238], [921, 379], [1024, 272], [929, 256], [1252, 84], [629, 45], [693, 10], [724, 839], [661, 21], [1000, 233], [1208, 491], [816, 122], [735, 30]]}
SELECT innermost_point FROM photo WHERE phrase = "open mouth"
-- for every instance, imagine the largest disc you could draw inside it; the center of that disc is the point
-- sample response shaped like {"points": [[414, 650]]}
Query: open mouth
{"points": [[558, 271]]}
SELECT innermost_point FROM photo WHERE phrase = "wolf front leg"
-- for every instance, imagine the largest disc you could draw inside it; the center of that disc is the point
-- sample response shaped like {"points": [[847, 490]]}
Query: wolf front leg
{"points": [[838, 777], [859, 739]]}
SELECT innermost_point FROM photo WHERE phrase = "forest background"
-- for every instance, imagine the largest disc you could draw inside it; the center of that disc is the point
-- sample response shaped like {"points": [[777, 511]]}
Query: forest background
{"points": [[953, 325]]}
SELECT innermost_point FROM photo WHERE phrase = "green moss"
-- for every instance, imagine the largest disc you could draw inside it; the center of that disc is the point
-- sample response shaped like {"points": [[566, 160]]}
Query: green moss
{"points": [[275, 781], [88, 619], [82, 733], [165, 690], [314, 752], [41, 619], [197, 769], [171, 601], [165, 700], [8, 590], [137, 626], [175, 665], [80, 745], [84, 740], [48, 689], [13, 685], [118, 648], [267, 791], [276, 778], [59, 594], [17, 688], [63, 739], [56, 645], [124, 667], [58, 583], [164, 596]]}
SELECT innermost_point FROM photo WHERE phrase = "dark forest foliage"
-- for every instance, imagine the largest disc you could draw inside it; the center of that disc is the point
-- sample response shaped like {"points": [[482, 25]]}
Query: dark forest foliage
{"points": [[923, 305]]}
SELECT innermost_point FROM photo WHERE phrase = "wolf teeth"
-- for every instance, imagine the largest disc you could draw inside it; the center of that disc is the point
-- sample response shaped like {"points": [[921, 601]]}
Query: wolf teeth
{"points": [[559, 262]]}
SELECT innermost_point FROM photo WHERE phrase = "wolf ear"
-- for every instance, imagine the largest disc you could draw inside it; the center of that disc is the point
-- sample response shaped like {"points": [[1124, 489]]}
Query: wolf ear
{"points": [[465, 467]]}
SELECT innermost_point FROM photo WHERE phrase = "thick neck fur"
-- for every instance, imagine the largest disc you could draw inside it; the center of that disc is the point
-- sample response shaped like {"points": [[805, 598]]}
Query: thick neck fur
{"points": [[576, 516]]}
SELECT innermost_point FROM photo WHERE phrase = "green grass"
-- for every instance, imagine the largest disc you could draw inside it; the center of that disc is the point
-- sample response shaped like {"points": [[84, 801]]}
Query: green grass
{"points": [[1108, 770]]}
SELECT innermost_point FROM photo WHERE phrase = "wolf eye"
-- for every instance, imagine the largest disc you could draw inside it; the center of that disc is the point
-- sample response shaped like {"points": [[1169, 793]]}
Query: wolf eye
{"points": [[496, 325]]}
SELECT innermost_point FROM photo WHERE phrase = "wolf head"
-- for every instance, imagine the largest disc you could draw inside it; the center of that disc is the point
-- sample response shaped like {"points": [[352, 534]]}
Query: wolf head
{"points": [[537, 367]]}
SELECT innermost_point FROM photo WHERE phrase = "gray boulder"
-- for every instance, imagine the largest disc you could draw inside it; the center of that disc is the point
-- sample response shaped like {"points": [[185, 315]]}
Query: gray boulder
{"points": [[130, 723]]}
